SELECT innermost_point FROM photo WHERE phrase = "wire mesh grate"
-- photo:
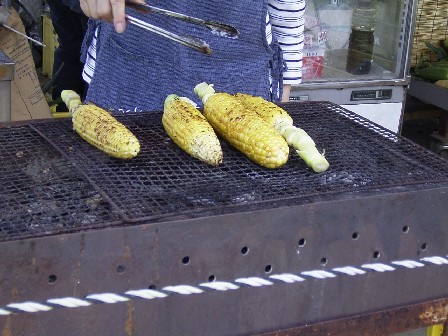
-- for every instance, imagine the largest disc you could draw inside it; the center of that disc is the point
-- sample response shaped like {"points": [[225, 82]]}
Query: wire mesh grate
{"points": [[40, 191], [163, 182]]}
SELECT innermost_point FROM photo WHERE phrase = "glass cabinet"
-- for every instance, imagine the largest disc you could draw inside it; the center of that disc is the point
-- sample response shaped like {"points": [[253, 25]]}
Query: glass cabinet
{"points": [[332, 37], [357, 52]]}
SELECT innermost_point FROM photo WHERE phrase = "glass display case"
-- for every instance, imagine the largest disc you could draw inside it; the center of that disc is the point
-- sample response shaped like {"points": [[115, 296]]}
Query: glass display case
{"points": [[356, 54]]}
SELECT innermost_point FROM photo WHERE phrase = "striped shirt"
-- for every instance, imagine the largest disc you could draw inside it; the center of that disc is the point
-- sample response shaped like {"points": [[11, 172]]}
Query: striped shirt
{"points": [[285, 21]]}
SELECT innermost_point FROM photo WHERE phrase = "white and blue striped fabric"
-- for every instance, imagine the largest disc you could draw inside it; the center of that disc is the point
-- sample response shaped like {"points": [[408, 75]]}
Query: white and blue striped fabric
{"points": [[285, 20]]}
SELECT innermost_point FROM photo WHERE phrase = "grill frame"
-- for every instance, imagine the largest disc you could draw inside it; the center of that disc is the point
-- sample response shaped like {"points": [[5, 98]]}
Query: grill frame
{"points": [[164, 183], [114, 260], [400, 221]]}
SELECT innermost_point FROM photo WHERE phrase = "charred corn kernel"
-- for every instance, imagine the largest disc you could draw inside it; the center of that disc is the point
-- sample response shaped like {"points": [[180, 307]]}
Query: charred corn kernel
{"points": [[243, 128], [190, 130], [100, 128], [282, 121]]}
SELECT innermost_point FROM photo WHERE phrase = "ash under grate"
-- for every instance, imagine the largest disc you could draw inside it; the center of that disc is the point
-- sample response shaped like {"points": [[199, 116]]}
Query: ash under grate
{"points": [[163, 181], [40, 191]]}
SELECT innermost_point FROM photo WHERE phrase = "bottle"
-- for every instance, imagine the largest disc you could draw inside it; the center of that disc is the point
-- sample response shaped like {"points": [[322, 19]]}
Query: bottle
{"points": [[360, 48]]}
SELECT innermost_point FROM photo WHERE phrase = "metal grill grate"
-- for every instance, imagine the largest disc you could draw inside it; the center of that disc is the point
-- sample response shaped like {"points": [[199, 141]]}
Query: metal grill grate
{"points": [[163, 182], [41, 192]]}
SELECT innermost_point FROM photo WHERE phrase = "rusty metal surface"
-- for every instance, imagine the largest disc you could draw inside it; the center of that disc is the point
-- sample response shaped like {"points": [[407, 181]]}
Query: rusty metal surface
{"points": [[435, 313], [394, 226], [382, 323]]}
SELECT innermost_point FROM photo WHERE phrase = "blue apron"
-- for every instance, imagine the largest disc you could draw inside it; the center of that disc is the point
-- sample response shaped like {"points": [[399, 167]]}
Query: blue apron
{"points": [[137, 70]]}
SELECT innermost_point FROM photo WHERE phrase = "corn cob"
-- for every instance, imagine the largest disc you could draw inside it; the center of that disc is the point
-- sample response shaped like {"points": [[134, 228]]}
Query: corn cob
{"points": [[189, 129], [242, 128], [282, 121], [100, 128]]}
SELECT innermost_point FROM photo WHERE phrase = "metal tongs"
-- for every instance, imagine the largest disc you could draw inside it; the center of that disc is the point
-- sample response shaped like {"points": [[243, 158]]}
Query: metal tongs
{"points": [[4, 15], [218, 28]]}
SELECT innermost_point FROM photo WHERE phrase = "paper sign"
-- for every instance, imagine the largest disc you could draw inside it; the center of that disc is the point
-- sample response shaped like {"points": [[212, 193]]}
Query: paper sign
{"points": [[313, 63]]}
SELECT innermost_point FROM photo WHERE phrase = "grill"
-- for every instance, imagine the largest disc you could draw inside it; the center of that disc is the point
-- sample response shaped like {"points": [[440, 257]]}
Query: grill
{"points": [[76, 222], [54, 182]]}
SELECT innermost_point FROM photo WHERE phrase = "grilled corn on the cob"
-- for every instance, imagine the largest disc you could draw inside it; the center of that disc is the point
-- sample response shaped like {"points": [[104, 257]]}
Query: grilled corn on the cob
{"points": [[100, 128], [270, 112], [282, 121], [243, 128], [190, 130]]}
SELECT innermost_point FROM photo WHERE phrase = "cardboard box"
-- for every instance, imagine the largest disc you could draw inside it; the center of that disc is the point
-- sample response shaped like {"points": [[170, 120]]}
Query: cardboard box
{"points": [[27, 99]]}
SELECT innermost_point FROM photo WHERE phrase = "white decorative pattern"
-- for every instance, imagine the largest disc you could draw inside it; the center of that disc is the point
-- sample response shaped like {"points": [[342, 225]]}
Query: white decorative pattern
{"points": [[183, 289], [107, 298], [319, 274], [219, 285], [254, 281], [349, 270], [29, 307], [378, 267], [149, 294], [69, 302], [408, 263], [287, 277], [436, 260]]}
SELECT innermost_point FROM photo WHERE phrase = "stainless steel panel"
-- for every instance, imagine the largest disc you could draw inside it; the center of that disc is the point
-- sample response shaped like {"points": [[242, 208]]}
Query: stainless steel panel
{"points": [[6, 76]]}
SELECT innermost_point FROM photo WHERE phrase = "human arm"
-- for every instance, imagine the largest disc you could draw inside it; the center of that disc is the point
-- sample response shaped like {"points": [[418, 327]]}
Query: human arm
{"points": [[287, 21], [109, 10]]}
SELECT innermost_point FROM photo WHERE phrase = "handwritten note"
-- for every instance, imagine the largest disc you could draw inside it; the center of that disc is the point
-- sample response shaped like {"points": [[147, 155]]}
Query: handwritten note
{"points": [[27, 98]]}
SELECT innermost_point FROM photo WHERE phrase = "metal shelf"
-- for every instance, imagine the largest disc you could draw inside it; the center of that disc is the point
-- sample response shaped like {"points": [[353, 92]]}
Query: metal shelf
{"points": [[433, 94], [429, 93]]}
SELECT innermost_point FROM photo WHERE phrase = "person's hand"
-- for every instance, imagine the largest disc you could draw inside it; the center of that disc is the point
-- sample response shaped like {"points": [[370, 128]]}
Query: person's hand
{"points": [[109, 10]]}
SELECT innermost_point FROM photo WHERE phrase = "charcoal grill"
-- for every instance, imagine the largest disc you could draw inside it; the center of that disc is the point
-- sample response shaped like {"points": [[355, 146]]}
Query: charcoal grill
{"points": [[75, 222]]}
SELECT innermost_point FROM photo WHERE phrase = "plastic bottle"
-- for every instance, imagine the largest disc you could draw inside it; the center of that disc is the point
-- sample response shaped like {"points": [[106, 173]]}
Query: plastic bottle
{"points": [[360, 49]]}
